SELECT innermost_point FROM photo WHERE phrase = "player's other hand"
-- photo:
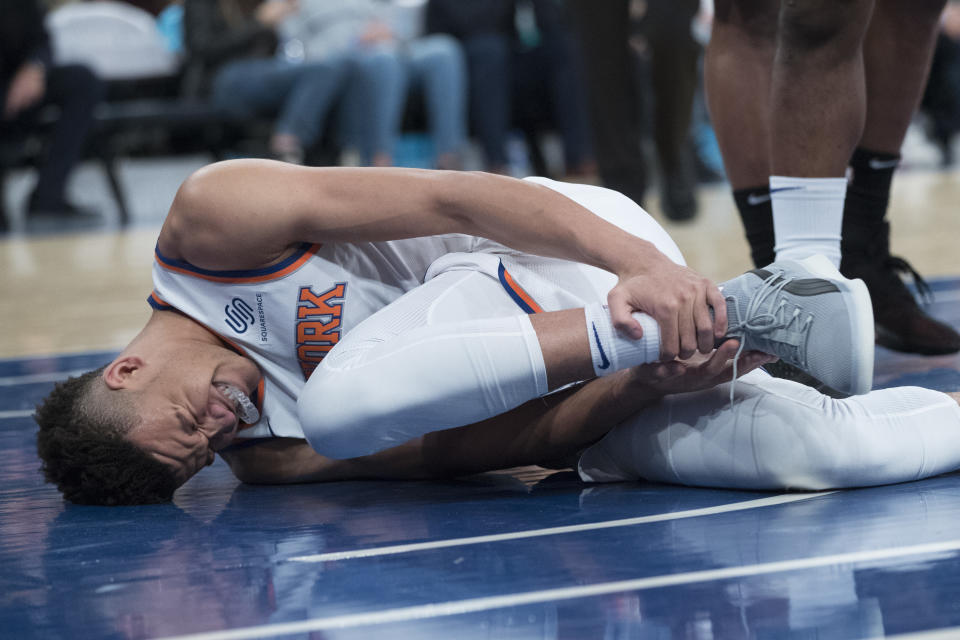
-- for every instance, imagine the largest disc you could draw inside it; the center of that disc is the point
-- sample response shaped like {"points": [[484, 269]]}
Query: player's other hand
{"points": [[698, 372], [679, 299]]}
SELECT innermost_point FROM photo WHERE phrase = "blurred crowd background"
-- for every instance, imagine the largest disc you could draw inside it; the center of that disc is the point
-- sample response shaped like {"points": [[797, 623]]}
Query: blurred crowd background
{"points": [[608, 92]]}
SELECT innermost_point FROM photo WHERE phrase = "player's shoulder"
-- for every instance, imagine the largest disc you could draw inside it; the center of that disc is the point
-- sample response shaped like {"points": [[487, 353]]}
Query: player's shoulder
{"points": [[217, 217]]}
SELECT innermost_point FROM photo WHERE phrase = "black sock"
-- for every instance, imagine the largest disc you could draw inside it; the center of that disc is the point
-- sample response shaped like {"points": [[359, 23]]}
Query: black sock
{"points": [[866, 203], [870, 183], [756, 212]]}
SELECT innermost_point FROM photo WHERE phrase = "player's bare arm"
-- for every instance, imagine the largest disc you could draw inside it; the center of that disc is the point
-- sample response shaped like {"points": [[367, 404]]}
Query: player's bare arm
{"points": [[249, 213], [544, 430]]}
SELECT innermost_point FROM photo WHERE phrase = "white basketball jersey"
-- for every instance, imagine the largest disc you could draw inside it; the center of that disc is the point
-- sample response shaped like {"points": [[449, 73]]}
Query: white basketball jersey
{"points": [[288, 316]]}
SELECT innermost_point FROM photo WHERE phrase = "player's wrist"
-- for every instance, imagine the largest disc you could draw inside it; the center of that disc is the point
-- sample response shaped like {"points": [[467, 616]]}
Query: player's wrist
{"points": [[637, 257], [630, 392]]}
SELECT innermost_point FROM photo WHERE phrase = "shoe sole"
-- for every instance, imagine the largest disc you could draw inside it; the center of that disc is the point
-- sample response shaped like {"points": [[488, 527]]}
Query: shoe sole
{"points": [[861, 320], [789, 372]]}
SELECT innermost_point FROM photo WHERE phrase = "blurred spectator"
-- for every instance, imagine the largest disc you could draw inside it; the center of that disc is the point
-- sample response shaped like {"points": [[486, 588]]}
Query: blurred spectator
{"points": [[29, 83], [350, 34], [387, 57], [941, 99], [549, 86], [485, 29], [608, 31], [231, 47], [524, 73], [153, 7], [170, 24], [118, 41], [435, 67]]}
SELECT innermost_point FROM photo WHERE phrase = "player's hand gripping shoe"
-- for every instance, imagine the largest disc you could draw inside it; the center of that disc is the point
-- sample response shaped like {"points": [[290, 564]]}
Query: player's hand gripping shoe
{"points": [[810, 316]]}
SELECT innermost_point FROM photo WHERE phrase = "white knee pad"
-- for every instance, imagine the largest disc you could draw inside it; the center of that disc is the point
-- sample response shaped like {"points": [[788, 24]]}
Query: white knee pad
{"points": [[418, 366]]}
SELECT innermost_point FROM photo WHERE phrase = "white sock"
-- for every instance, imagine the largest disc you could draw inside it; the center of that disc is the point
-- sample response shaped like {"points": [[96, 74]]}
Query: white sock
{"points": [[611, 351], [807, 216]]}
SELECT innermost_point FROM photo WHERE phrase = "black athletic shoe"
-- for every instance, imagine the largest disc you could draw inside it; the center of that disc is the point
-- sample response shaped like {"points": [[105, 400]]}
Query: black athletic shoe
{"points": [[901, 324], [781, 369]]}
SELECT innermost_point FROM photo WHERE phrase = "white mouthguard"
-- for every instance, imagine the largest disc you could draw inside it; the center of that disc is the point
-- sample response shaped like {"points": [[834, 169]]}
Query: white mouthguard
{"points": [[246, 410]]}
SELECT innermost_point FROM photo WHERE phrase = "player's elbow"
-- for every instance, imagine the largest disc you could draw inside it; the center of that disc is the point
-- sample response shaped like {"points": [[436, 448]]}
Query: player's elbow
{"points": [[452, 194], [192, 200]]}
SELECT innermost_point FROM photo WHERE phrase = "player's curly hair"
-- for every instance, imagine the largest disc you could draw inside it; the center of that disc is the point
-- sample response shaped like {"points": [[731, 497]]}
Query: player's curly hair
{"points": [[84, 452]]}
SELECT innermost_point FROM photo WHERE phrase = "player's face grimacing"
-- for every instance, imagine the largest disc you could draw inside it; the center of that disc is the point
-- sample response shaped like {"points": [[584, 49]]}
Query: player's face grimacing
{"points": [[184, 430], [185, 402]]}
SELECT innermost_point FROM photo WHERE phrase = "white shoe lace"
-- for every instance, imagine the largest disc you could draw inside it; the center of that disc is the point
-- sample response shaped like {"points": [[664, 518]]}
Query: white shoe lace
{"points": [[785, 342]]}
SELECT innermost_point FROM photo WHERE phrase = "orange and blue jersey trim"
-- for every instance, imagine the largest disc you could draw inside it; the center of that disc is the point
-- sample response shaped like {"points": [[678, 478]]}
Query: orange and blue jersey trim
{"points": [[274, 272], [523, 299], [159, 303]]}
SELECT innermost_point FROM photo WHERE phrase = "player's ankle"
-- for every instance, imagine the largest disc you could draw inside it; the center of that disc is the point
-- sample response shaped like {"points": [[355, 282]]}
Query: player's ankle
{"points": [[609, 350], [807, 216], [801, 251]]}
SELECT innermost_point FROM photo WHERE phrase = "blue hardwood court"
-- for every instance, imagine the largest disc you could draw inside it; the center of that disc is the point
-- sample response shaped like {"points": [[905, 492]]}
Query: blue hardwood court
{"points": [[529, 553], [523, 554]]}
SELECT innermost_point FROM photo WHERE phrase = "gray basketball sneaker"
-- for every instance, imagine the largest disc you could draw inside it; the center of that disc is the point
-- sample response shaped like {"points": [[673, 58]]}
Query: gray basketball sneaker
{"points": [[810, 316]]}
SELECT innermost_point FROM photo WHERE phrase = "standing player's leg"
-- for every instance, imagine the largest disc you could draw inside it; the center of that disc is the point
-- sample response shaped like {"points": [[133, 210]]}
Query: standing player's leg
{"points": [[897, 55], [738, 68], [777, 434], [818, 105]]}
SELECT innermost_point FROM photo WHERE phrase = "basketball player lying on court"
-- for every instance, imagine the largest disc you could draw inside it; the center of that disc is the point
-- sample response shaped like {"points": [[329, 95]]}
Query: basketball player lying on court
{"points": [[315, 324]]}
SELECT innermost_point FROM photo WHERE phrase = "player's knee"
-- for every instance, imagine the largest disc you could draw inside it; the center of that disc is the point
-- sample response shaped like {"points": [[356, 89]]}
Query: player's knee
{"points": [[800, 450], [337, 414], [834, 26], [754, 22], [834, 445], [346, 413]]}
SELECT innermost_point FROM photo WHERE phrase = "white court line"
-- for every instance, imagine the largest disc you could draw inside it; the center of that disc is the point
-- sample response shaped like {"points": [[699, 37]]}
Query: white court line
{"points": [[552, 531], [17, 413], [950, 633], [32, 378], [473, 605]]}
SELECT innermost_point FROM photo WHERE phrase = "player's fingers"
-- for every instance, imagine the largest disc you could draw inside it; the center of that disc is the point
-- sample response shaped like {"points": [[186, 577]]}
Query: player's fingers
{"points": [[687, 328], [719, 305], [621, 314], [750, 360], [669, 336], [704, 325], [721, 358]]}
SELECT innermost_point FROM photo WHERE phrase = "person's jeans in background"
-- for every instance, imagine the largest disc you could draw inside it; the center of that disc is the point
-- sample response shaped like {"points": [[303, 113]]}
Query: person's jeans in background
{"points": [[302, 93]]}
